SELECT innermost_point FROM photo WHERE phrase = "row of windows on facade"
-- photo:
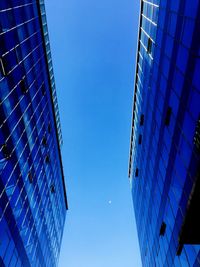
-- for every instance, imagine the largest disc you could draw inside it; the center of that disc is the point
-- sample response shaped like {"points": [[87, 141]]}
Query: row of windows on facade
{"points": [[146, 49], [195, 198], [10, 17], [7, 155], [189, 230], [149, 46], [5, 69], [196, 139], [149, 51], [24, 88], [192, 105], [22, 208], [5, 245], [6, 62], [17, 48], [188, 26]]}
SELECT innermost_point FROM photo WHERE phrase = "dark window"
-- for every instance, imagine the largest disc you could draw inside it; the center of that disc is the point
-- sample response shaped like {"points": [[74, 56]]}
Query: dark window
{"points": [[24, 87], [3, 67], [162, 229], [140, 139], [179, 250], [30, 177], [44, 141], [197, 136], [52, 188], [136, 172], [190, 230], [8, 62], [149, 46], [18, 54], [142, 119], [49, 127], [6, 152], [168, 116], [47, 159], [43, 89]]}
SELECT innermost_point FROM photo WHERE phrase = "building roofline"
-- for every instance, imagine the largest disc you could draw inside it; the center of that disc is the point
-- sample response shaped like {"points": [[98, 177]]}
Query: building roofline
{"points": [[135, 91], [46, 43]]}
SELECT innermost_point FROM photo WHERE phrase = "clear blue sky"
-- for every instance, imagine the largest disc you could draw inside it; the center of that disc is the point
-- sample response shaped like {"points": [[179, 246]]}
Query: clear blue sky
{"points": [[93, 47]]}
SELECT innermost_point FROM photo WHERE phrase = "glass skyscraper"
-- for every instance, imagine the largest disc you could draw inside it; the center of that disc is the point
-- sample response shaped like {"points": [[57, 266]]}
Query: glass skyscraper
{"points": [[164, 166], [33, 200]]}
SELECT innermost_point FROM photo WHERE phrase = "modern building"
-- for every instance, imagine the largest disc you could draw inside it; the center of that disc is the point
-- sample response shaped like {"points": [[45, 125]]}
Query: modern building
{"points": [[164, 166], [33, 199]]}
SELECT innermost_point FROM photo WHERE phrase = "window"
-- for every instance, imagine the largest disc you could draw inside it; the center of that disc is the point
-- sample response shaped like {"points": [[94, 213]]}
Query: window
{"points": [[49, 127], [47, 159], [18, 53], [141, 119], [163, 229], [190, 229], [30, 177], [44, 141], [136, 172], [168, 116], [149, 46], [23, 86], [52, 188], [179, 250], [5, 150], [197, 136], [43, 89], [140, 139], [2, 66]]}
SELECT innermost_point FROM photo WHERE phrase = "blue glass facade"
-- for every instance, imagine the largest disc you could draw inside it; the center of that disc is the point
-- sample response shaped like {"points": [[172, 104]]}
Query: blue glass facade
{"points": [[33, 199], [165, 136]]}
